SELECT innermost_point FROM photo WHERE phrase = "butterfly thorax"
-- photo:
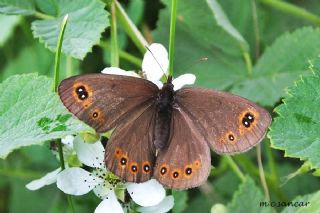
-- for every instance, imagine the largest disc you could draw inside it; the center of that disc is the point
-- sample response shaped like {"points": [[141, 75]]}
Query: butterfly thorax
{"points": [[164, 105]]}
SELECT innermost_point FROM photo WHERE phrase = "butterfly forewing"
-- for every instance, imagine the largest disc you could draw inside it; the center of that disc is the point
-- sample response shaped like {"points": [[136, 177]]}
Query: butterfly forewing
{"points": [[185, 162], [130, 153], [102, 101], [229, 123]]}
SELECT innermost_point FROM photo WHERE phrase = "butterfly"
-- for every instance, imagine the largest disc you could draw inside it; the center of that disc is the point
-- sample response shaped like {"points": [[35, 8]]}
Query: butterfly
{"points": [[163, 133]]}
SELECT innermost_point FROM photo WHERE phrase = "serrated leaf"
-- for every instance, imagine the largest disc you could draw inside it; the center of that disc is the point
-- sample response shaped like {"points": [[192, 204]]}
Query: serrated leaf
{"points": [[247, 199], [296, 130], [87, 20], [304, 204], [198, 36], [30, 113], [280, 66], [17, 7], [7, 23]]}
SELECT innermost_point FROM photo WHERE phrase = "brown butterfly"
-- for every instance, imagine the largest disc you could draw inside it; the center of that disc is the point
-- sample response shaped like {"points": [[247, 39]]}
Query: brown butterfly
{"points": [[163, 133]]}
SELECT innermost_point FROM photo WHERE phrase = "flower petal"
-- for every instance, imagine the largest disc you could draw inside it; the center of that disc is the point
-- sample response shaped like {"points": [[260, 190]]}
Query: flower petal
{"points": [[165, 205], [77, 181], [103, 190], [155, 62], [68, 140], [89, 154], [182, 80], [148, 193], [118, 71], [110, 204], [48, 179]]}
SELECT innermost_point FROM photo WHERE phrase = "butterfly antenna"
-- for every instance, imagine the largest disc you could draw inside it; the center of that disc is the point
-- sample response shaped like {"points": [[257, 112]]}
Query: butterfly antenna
{"points": [[187, 68], [157, 63]]}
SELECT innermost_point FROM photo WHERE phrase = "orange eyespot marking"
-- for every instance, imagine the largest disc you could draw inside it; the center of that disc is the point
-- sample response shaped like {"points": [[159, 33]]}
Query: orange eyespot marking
{"points": [[133, 167], [197, 164], [83, 94], [164, 169], [188, 171], [118, 153], [175, 174], [146, 168], [247, 120], [96, 114], [123, 161], [231, 137]]}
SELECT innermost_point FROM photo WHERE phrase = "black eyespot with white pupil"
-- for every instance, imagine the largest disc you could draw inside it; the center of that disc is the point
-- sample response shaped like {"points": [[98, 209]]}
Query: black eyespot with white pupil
{"points": [[134, 168], [231, 137], [146, 168], [188, 171], [163, 170], [175, 174], [82, 93], [95, 115], [247, 120], [123, 161], [250, 117]]}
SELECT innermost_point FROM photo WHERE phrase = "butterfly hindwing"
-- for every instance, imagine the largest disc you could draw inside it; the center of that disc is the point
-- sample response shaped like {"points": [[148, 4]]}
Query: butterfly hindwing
{"points": [[102, 100], [185, 161], [230, 124], [130, 153]]}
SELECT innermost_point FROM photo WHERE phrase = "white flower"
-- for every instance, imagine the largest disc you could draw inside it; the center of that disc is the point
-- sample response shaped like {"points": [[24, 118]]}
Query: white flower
{"points": [[154, 65], [51, 177], [77, 181]]}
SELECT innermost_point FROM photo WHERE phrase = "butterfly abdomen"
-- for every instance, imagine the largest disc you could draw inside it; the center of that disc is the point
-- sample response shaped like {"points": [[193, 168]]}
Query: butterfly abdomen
{"points": [[164, 105]]}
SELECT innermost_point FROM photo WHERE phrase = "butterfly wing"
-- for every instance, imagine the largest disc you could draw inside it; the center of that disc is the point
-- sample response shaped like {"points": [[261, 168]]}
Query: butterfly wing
{"points": [[130, 153], [102, 100], [185, 161], [229, 123]]}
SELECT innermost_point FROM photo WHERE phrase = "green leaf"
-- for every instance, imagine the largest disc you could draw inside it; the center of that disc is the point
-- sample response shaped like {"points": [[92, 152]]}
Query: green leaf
{"points": [[49, 7], [180, 201], [17, 7], [247, 199], [280, 66], [296, 130], [39, 60], [30, 113], [87, 20], [304, 204], [198, 36], [7, 23], [223, 21]]}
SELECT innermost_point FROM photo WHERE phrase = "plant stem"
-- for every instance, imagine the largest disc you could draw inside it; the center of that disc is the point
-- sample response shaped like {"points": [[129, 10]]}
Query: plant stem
{"points": [[55, 86], [293, 10], [235, 167], [58, 54], [172, 34], [255, 29], [248, 62], [124, 55], [130, 28], [271, 164], [261, 174], [69, 66], [114, 37]]}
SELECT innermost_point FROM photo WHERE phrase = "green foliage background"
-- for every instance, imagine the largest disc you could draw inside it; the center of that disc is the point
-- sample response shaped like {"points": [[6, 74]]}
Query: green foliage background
{"points": [[265, 50]]}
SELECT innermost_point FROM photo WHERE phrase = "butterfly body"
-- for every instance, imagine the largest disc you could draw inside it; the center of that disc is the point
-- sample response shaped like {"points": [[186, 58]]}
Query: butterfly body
{"points": [[163, 133], [164, 106]]}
